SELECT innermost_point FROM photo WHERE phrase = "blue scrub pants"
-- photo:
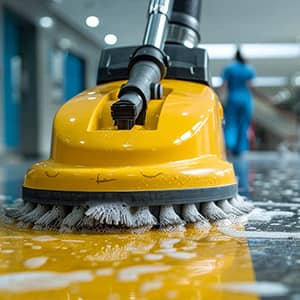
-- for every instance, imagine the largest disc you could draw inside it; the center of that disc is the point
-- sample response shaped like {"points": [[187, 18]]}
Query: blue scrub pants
{"points": [[237, 122]]}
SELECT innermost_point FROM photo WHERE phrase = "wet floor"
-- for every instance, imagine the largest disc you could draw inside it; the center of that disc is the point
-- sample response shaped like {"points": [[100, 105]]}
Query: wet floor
{"points": [[261, 261]]}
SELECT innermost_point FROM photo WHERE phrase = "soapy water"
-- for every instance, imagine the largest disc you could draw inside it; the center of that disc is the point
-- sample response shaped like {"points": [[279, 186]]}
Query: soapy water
{"points": [[262, 215], [262, 288], [151, 258], [259, 234], [21, 282], [133, 272], [151, 286], [35, 262], [259, 215], [276, 204]]}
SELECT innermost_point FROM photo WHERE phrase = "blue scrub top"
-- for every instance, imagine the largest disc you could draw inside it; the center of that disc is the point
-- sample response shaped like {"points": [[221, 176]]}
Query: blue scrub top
{"points": [[237, 76]]}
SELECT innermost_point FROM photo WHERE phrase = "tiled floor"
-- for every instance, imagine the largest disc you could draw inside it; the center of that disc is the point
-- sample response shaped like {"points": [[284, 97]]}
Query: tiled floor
{"points": [[275, 184], [203, 266]]}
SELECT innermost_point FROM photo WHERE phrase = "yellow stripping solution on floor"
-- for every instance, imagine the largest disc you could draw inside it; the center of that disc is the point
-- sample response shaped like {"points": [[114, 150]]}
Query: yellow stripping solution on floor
{"points": [[193, 264]]}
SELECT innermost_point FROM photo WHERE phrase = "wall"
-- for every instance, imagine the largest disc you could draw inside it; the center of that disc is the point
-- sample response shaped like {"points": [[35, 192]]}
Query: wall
{"points": [[61, 35], [1, 82]]}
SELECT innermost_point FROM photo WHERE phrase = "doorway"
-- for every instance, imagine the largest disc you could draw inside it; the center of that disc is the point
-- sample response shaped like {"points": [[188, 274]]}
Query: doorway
{"points": [[20, 85], [74, 77]]}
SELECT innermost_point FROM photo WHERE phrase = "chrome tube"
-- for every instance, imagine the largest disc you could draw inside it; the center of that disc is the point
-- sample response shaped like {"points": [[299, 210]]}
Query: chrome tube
{"points": [[157, 27]]}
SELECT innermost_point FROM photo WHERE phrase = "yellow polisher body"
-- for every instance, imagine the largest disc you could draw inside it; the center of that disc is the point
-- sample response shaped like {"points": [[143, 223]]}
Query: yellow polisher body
{"points": [[179, 147]]}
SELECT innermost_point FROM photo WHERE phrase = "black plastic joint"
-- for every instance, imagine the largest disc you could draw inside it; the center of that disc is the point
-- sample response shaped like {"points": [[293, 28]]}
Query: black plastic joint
{"points": [[126, 89], [150, 53]]}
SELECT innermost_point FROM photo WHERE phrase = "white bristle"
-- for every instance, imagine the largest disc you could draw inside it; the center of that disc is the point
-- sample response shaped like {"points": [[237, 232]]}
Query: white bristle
{"points": [[168, 216], [143, 217], [31, 217], [5, 219], [51, 219], [70, 221], [191, 214], [212, 212], [203, 226], [229, 209], [240, 203], [111, 214], [120, 217], [20, 210]]}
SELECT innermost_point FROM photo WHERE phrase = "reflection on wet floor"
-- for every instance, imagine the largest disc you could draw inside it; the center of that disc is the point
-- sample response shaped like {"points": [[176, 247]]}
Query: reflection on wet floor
{"points": [[155, 265], [185, 265]]}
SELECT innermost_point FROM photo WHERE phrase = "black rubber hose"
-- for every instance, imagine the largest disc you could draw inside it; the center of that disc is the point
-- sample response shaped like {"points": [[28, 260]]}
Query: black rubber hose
{"points": [[147, 66], [187, 13], [188, 7]]}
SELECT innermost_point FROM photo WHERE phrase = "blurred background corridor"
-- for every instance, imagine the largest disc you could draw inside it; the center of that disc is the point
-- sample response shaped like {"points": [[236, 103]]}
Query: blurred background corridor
{"points": [[50, 49]]}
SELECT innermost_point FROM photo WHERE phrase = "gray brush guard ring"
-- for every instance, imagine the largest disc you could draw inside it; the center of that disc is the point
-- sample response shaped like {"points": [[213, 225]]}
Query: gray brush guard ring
{"points": [[132, 198]]}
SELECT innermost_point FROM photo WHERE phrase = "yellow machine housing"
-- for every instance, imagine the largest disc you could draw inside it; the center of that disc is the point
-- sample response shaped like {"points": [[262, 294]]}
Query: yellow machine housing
{"points": [[180, 148]]}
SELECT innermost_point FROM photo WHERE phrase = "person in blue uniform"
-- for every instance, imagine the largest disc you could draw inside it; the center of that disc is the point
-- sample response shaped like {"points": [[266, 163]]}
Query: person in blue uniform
{"points": [[237, 78]]}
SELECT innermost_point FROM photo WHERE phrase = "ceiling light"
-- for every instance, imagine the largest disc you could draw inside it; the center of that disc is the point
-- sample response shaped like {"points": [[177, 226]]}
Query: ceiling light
{"points": [[219, 51], [46, 22], [110, 39], [269, 81], [253, 51], [263, 81], [271, 50], [92, 21]]}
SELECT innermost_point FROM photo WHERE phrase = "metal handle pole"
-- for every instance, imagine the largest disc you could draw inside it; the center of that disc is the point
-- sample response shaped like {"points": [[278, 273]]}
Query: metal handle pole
{"points": [[157, 26]]}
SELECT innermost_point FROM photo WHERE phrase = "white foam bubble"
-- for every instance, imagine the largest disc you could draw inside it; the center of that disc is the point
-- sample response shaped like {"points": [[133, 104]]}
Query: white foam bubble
{"points": [[104, 272], [275, 204], [35, 262], [262, 215], [132, 273], [280, 214], [7, 251], [73, 241], [169, 243], [181, 255], [37, 281], [167, 250], [188, 248], [202, 267], [259, 234], [44, 238], [151, 286], [171, 294], [12, 237], [36, 247], [153, 257], [262, 288]]}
